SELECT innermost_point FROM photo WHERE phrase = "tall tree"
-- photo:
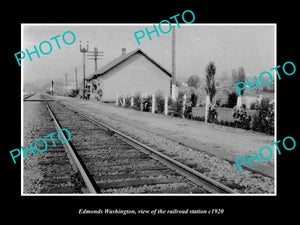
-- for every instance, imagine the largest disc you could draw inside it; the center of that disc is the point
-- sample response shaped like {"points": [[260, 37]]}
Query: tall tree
{"points": [[193, 81], [210, 112], [210, 81], [239, 76]]}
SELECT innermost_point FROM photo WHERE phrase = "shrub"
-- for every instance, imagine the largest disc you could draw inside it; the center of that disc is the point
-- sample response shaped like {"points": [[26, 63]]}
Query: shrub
{"points": [[253, 105], [178, 105], [263, 119], [171, 107], [127, 101], [175, 108], [226, 123], [194, 99], [147, 103], [188, 113], [120, 100], [199, 118], [159, 102], [218, 102], [137, 100], [170, 101], [212, 116], [232, 99], [241, 118]]}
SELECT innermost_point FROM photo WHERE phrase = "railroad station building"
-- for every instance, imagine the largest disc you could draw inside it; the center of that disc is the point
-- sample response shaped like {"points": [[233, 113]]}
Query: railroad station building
{"points": [[128, 74]]}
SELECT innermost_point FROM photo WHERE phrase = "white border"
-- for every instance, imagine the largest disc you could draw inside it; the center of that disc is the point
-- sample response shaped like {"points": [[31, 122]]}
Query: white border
{"points": [[147, 24], [22, 116]]}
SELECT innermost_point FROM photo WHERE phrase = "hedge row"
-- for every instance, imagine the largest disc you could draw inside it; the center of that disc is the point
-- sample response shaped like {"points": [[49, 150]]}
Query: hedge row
{"points": [[261, 121]]}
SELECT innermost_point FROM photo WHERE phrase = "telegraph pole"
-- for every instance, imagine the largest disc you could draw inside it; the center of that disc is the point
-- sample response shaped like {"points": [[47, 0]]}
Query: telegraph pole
{"points": [[66, 77], [95, 54], [75, 69], [173, 64], [84, 50], [76, 78], [66, 86]]}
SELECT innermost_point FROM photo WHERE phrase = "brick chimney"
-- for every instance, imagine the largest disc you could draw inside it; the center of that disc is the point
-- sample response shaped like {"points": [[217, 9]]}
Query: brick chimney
{"points": [[123, 51]]}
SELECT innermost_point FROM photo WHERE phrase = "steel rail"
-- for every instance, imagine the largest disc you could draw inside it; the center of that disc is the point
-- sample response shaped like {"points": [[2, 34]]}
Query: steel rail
{"points": [[191, 174], [28, 96], [91, 185]]}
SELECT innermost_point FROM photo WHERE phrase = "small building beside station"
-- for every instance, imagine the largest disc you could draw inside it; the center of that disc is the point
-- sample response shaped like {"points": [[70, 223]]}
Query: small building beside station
{"points": [[129, 74]]}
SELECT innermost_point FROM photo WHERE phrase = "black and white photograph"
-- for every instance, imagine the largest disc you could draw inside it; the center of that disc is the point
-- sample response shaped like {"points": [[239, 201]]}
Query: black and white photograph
{"points": [[135, 112], [154, 115]]}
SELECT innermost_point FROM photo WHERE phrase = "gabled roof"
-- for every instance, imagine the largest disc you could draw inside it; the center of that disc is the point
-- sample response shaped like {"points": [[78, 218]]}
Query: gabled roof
{"points": [[121, 59]]}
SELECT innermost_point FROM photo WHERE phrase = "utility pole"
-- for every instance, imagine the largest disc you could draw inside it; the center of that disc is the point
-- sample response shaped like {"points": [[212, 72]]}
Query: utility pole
{"points": [[173, 64], [84, 50], [75, 69], [66, 77], [76, 78], [66, 85], [95, 54]]}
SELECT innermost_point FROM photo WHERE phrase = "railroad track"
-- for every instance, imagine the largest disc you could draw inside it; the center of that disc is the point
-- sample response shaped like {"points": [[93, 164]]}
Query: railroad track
{"points": [[26, 96], [109, 161], [51, 171], [112, 162]]}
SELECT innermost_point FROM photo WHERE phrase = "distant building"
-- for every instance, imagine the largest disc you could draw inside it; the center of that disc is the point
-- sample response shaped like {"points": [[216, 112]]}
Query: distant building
{"points": [[71, 86], [128, 74]]}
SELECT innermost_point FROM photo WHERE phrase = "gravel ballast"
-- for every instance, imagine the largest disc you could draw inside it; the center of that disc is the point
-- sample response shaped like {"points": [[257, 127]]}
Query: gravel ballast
{"points": [[212, 166], [48, 172]]}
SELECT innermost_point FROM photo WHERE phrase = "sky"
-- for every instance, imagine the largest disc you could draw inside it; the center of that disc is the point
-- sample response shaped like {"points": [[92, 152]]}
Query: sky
{"points": [[230, 46]]}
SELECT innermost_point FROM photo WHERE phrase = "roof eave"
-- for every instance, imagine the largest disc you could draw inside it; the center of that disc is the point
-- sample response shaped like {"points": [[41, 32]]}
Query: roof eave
{"points": [[100, 73]]}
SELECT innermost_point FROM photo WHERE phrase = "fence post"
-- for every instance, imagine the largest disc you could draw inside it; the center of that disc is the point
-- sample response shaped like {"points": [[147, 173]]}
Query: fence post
{"points": [[131, 103], [166, 105], [123, 105], [117, 99], [173, 96], [239, 102], [183, 105], [153, 103], [142, 102], [207, 103]]}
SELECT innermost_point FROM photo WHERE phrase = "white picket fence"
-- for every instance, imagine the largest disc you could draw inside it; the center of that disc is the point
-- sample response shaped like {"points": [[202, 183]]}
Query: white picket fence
{"points": [[120, 101]]}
